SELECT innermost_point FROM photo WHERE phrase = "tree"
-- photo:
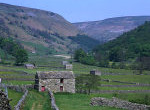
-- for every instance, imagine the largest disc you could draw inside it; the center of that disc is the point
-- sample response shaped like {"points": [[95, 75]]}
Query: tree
{"points": [[102, 58], [93, 82], [79, 54], [80, 83], [88, 59], [15, 49], [21, 56], [83, 57], [87, 83]]}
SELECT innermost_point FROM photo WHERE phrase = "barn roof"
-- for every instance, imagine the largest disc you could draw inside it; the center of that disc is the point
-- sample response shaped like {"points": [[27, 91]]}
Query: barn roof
{"points": [[29, 65], [55, 75]]}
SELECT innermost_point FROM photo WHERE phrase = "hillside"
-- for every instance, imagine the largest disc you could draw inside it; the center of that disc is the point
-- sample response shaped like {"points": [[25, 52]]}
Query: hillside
{"points": [[38, 31], [130, 45], [109, 29]]}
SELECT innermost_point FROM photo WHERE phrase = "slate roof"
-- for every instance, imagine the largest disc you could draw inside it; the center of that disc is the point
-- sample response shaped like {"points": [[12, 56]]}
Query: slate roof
{"points": [[29, 65], [55, 75]]}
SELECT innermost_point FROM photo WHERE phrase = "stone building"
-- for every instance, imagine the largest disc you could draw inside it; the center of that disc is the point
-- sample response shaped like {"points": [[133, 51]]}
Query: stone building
{"points": [[68, 66], [29, 66], [95, 72], [64, 63], [56, 81]]}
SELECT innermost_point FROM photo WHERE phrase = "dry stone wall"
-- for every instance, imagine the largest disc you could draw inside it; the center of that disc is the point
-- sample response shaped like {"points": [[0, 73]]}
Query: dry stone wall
{"points": [[135, 85], [4, 101], [118, 103], [119, 91], [18, 88], [53, 103], [21, 101]]}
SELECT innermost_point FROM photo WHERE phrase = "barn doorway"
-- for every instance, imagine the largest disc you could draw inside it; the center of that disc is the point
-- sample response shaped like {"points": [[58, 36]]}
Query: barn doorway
{"points": [[43, 88], [61, 88]]}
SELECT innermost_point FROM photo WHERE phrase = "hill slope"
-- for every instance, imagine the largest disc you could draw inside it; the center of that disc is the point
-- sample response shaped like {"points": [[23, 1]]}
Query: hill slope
{"points": [[38, 31], [129, 45], [109, 29]]}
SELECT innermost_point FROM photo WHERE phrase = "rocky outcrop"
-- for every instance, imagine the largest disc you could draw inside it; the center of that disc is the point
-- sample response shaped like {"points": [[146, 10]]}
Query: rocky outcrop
{"points": [[118, 103]]}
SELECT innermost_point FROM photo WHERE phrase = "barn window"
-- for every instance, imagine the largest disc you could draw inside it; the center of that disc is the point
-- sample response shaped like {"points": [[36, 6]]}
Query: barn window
{"points": [[61, 80], [61, 88]]}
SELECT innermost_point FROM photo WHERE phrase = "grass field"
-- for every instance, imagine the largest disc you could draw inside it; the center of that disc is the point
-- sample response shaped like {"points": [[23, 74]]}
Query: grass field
{"points": [[41, 101], [140, 98], [37, 101], [82, 101], [46, 60], [79, 68], [12, 75], [128, 78], [18, 82], [78, 102], [15, 96]]}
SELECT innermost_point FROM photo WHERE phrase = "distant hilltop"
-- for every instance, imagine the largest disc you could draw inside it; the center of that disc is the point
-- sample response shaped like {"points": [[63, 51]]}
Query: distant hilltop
{"points": [[109, 29], [39, 31]]}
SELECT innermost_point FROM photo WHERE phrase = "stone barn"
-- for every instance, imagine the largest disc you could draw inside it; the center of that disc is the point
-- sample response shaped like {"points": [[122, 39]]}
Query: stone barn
{"points": [[56, 81], [68, 66], [64, 63], [29, 66], [95, 72]]}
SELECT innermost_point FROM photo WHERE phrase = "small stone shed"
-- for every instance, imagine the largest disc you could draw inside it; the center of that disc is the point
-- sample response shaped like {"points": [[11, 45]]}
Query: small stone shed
{"points": [[56, 81], [64, 63], [29, 66], [95, 72], [68, 66]]}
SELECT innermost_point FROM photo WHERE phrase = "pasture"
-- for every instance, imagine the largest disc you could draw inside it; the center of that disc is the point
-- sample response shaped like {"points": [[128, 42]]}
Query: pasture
{"points": [[16, 75]]}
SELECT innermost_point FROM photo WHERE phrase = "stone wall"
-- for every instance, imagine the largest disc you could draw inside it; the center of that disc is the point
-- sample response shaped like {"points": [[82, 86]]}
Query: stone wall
{"points": [[119, 91], [108, 80], [134, 85], [54, 85], [69, 85], [4, 101], [68, 66], [21, 101], [118, 103], [53, 103], [18, 88]]}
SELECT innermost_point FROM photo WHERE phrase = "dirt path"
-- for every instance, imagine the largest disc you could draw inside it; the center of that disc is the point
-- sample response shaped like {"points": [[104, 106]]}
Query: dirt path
{"points": [[37, 101], [33, 106], [39, 107]]}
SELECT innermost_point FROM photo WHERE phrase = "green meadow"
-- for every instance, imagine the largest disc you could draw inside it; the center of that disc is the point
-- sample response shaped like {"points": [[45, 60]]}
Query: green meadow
{"points": [[41, 101]]}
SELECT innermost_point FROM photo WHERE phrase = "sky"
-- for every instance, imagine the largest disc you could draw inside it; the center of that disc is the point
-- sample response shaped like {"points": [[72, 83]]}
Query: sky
{"points": [[88, 10]]}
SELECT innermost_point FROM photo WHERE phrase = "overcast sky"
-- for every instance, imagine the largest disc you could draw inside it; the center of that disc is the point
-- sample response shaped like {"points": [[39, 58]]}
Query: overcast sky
{"points": [[88, 10]]}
